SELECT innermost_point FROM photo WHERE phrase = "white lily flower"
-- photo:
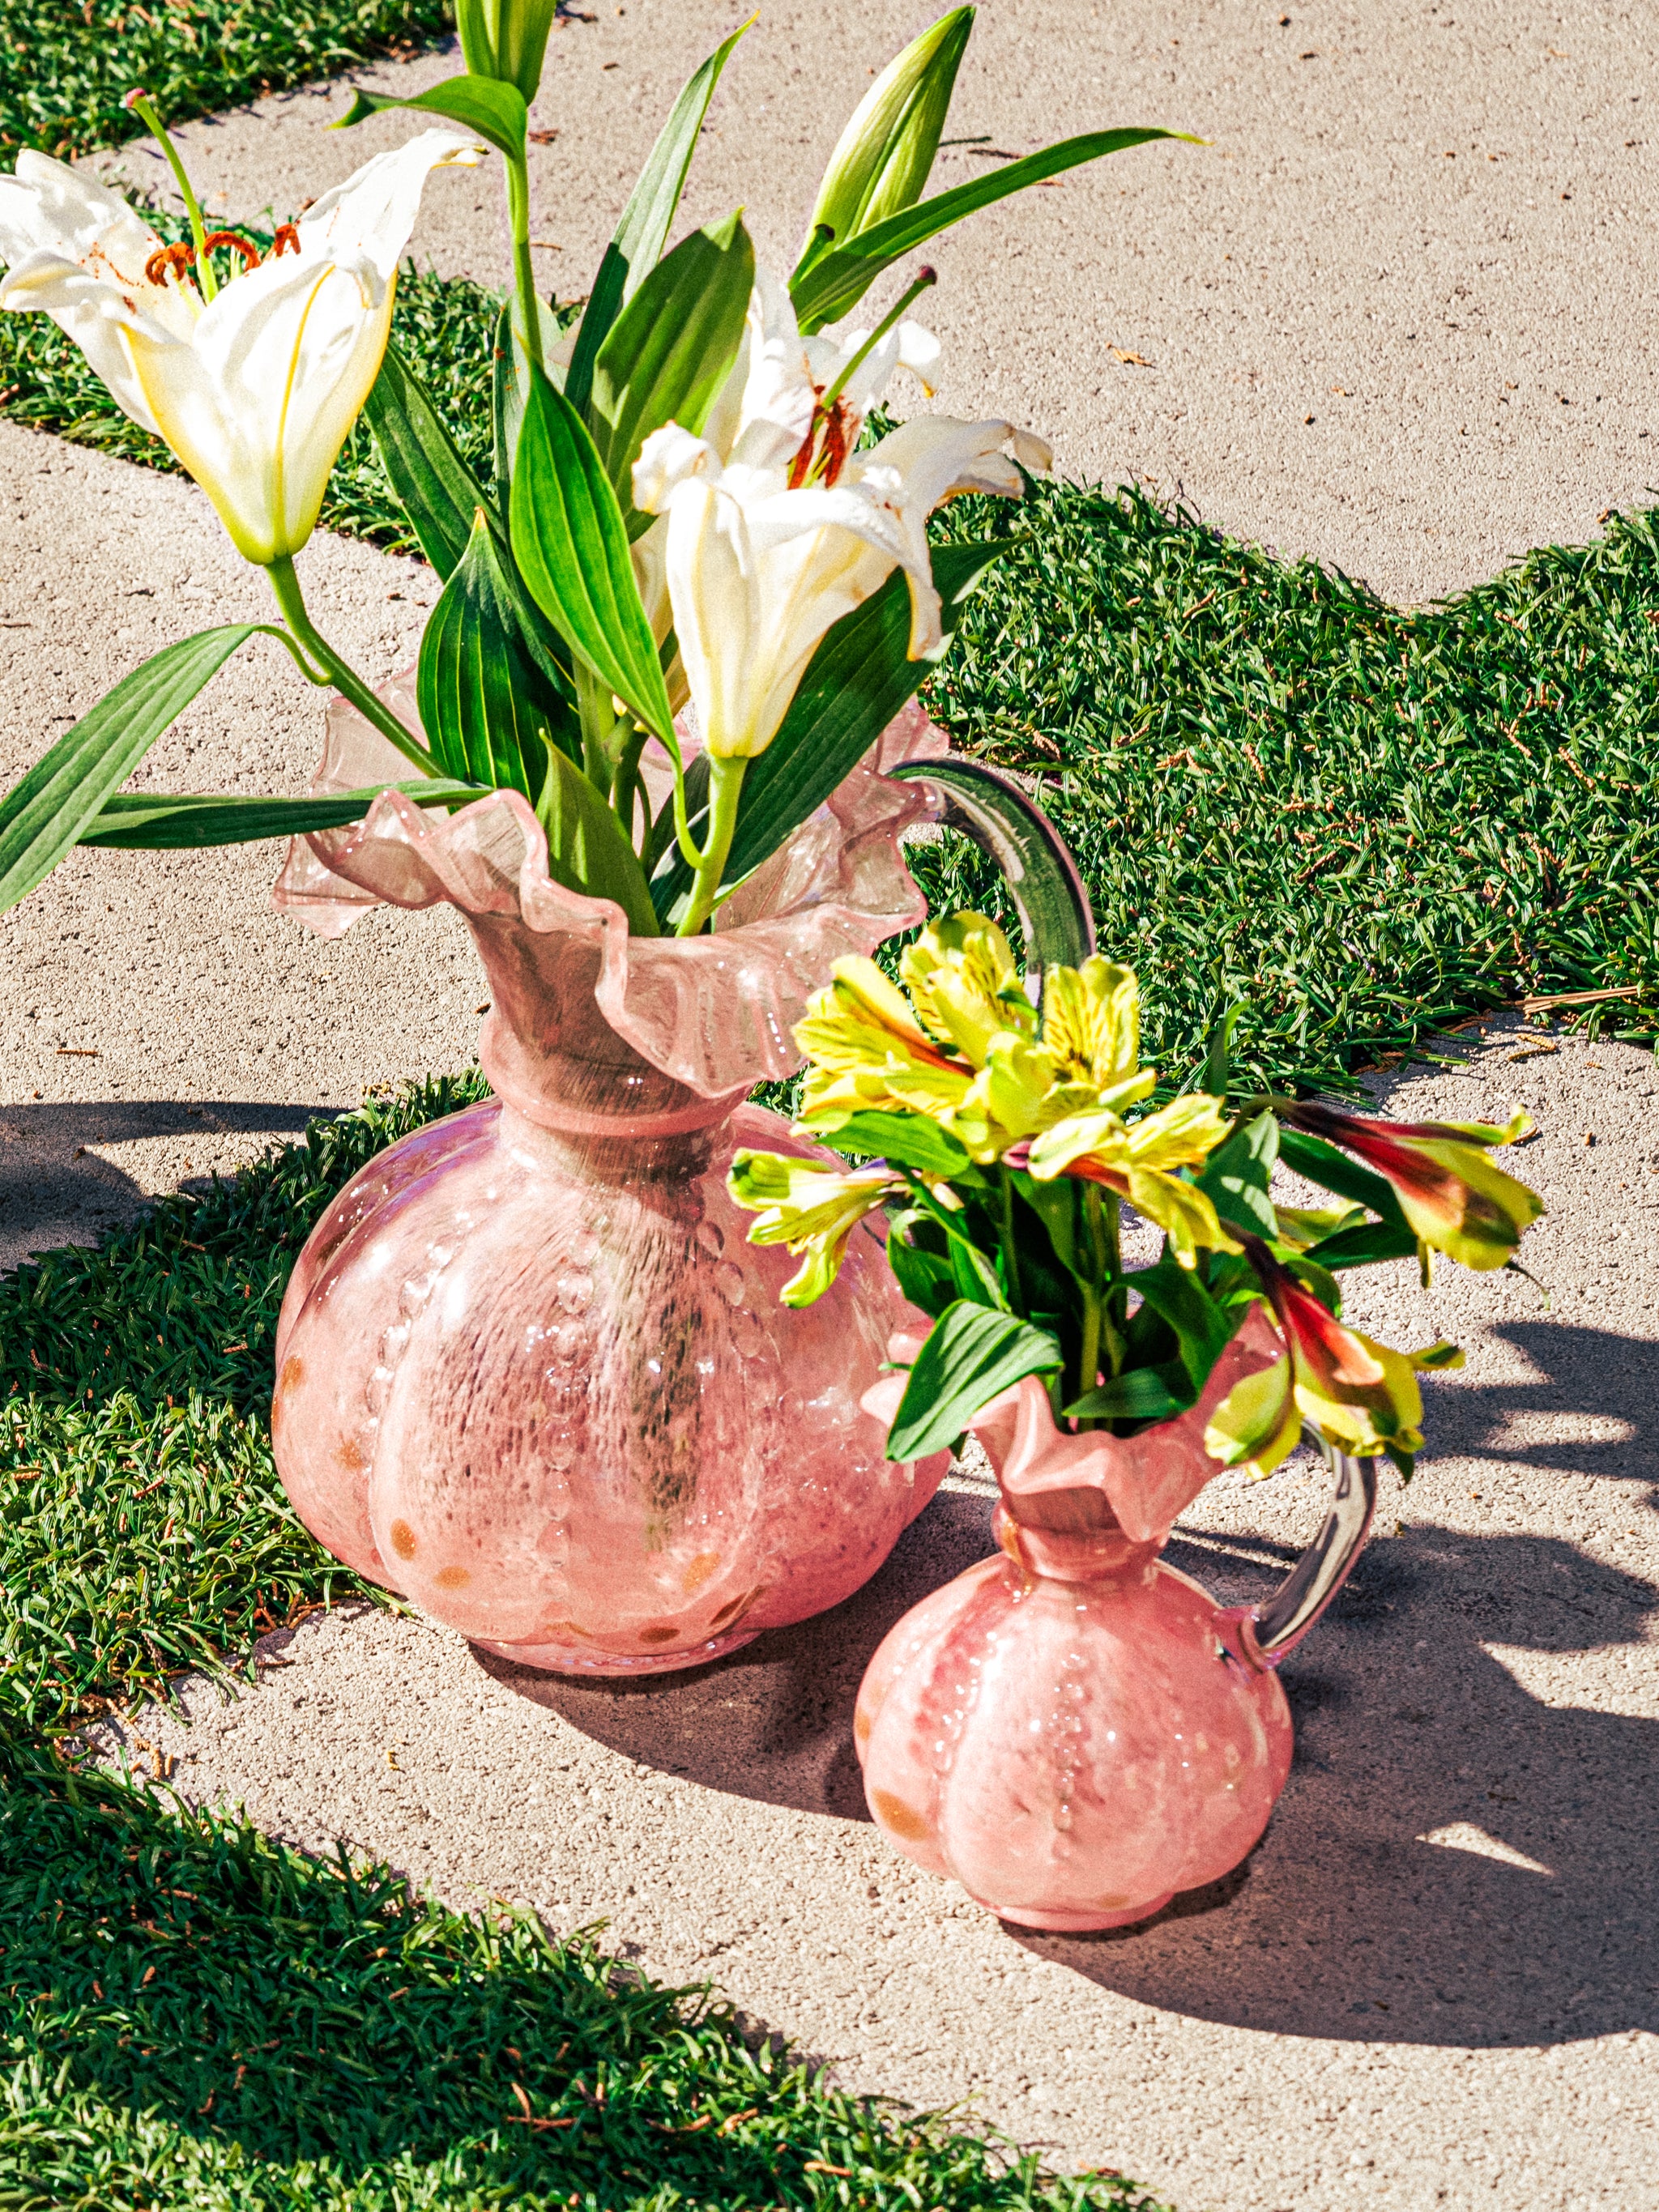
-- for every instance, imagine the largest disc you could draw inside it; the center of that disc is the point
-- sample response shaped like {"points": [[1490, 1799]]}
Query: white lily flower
{"points": [[256, 391], [774, 528]]}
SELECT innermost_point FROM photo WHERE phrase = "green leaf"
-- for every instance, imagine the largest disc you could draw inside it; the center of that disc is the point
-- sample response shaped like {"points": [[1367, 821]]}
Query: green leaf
{"points": [[1364, 1244], [572, 551], [62, 793], [1203, 1326], [909, 1140], [855, 683], [159, 822], [510, 384], [637, 244], [1334, 1170], [971, 1354], [1236, 1173], [1144, 1394], [487, 716], [1216, 1060], [837, 281], [924, 1277], [1045, 892], [495, 111], [435, 488], [586, 851], [973, 1274], [668, 352], [883, 158]]}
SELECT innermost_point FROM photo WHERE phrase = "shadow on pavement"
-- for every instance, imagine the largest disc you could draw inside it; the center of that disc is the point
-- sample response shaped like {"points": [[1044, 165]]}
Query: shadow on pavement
{"points": [[1534, 1920]]}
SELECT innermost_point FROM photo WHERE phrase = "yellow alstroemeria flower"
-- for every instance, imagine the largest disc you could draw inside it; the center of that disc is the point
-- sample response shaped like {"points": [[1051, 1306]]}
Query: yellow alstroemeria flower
{"points": [[961, 978], [1138, 1160], [1363, 1396], [871, 1055], [1456, 1200], [809, 1208]]}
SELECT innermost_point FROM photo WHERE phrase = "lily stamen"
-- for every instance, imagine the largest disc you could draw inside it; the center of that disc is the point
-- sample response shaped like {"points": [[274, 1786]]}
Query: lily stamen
{"points": [[174, 259], [286, 240], [245, 247]]}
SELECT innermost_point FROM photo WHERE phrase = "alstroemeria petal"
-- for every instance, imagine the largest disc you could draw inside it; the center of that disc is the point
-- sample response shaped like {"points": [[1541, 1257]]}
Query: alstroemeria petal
{"points": [[962, 980], [1091, 1019], [1456, 1200], [809, 1208], [1258, 1423]]}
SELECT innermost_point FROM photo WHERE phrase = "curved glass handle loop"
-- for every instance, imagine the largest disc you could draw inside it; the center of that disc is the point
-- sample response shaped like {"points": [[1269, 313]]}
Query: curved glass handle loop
{"points": [[988, 806], [1262, 1634]]}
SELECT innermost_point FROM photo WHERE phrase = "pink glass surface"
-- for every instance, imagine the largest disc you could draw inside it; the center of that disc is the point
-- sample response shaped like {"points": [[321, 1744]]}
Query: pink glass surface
{"points": [[1062, 1728], [529, 1371]]}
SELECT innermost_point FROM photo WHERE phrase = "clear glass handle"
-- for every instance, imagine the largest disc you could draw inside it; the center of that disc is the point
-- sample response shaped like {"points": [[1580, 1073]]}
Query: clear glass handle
{"points": [[1261, 1635]]}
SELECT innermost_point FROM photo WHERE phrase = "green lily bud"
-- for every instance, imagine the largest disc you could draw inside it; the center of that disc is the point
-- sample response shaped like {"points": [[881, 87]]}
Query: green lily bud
{"points": [[881, 162], [506, 40]]}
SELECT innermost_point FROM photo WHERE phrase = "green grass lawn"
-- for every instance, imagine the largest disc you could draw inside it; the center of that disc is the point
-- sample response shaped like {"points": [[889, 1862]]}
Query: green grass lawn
{"points": [[66, 65]]}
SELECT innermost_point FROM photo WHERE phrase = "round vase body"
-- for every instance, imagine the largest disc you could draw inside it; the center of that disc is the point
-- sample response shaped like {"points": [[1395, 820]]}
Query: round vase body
{"points": [[548, 1392], [1069, 1729], [529, 1372], [1073, 1753]]}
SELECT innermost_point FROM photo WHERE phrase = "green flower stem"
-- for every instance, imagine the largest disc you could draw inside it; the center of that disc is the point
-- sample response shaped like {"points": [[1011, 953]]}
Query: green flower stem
{"points": [[286, 586], [628, 784], [1010, 1248], [518, 218], [724, 782], [144, 107]]}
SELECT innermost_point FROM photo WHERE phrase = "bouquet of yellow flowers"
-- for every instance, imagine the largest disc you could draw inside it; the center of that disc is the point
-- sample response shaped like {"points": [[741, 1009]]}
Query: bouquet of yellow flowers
{"points": [[1004, 1141]]}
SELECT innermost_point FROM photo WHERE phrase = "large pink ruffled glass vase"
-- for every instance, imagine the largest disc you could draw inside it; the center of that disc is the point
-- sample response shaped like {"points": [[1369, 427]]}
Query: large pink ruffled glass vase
{"points": [[1074, 1729], [529, 1371]]}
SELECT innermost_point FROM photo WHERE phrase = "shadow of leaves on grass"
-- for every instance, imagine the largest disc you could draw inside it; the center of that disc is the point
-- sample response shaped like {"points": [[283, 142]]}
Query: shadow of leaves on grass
{"points": [[199, 2015]]}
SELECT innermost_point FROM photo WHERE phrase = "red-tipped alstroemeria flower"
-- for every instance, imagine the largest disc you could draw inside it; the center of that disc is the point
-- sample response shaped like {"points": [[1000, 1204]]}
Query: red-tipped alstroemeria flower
{"points": [[1456, 1200]]}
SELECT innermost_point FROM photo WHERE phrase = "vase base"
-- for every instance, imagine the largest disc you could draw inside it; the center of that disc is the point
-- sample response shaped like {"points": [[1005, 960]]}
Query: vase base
{"points": [[565, 1659], [1076, 1923]]}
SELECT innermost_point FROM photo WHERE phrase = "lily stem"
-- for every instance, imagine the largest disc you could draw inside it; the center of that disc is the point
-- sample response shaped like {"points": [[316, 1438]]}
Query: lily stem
{"points": [[345, 679], [524, 273], [144, 107], [724, 782]]}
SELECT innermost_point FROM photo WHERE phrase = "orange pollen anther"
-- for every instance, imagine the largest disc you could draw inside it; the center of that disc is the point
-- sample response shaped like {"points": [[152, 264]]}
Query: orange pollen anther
{"points": [[249, 252], [814, 463], [173, 258], [286, 240]]}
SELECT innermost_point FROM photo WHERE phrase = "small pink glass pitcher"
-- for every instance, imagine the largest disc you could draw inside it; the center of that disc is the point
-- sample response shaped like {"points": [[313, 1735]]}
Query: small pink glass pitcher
{"points": [[1073, 1729]]}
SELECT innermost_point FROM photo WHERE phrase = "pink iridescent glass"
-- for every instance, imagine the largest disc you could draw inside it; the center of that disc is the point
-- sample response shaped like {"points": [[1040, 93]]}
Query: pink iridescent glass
{"points": [[530, 1373], [1071, 1727]]}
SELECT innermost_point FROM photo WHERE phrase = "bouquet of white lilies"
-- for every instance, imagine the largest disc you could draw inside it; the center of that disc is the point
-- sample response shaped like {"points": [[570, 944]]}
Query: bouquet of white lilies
{"points": [[682, 514]]}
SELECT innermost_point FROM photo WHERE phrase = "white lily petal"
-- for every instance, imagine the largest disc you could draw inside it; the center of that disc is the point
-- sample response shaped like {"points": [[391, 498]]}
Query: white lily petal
{"points": [[669, 457], [374, 211], [907, 345], [94, 314], [258, 409], [774, 409]]}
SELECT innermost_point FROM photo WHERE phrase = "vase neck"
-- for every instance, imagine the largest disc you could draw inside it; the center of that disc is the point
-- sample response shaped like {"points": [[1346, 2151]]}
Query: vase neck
{"points": [[1105, 1554]]}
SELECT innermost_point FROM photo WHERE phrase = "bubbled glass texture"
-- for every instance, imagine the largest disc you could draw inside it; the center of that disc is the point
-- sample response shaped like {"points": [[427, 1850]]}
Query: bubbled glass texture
{"points": [[531, 1374], [1064, 1727]]}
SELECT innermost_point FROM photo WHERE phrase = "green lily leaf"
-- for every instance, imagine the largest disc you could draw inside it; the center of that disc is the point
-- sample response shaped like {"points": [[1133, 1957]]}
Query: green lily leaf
{"points": [[637, 243], [159, 822], [62, 794], [487, 716], [1236, 1173], [882, 160], [1144, 1394], [667, 353], [495, 111], [1364, 1244], [435, 488], [854, 684], [971, 1354], [511, 382], [571, 547], [833, 282], [586, 851]]}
